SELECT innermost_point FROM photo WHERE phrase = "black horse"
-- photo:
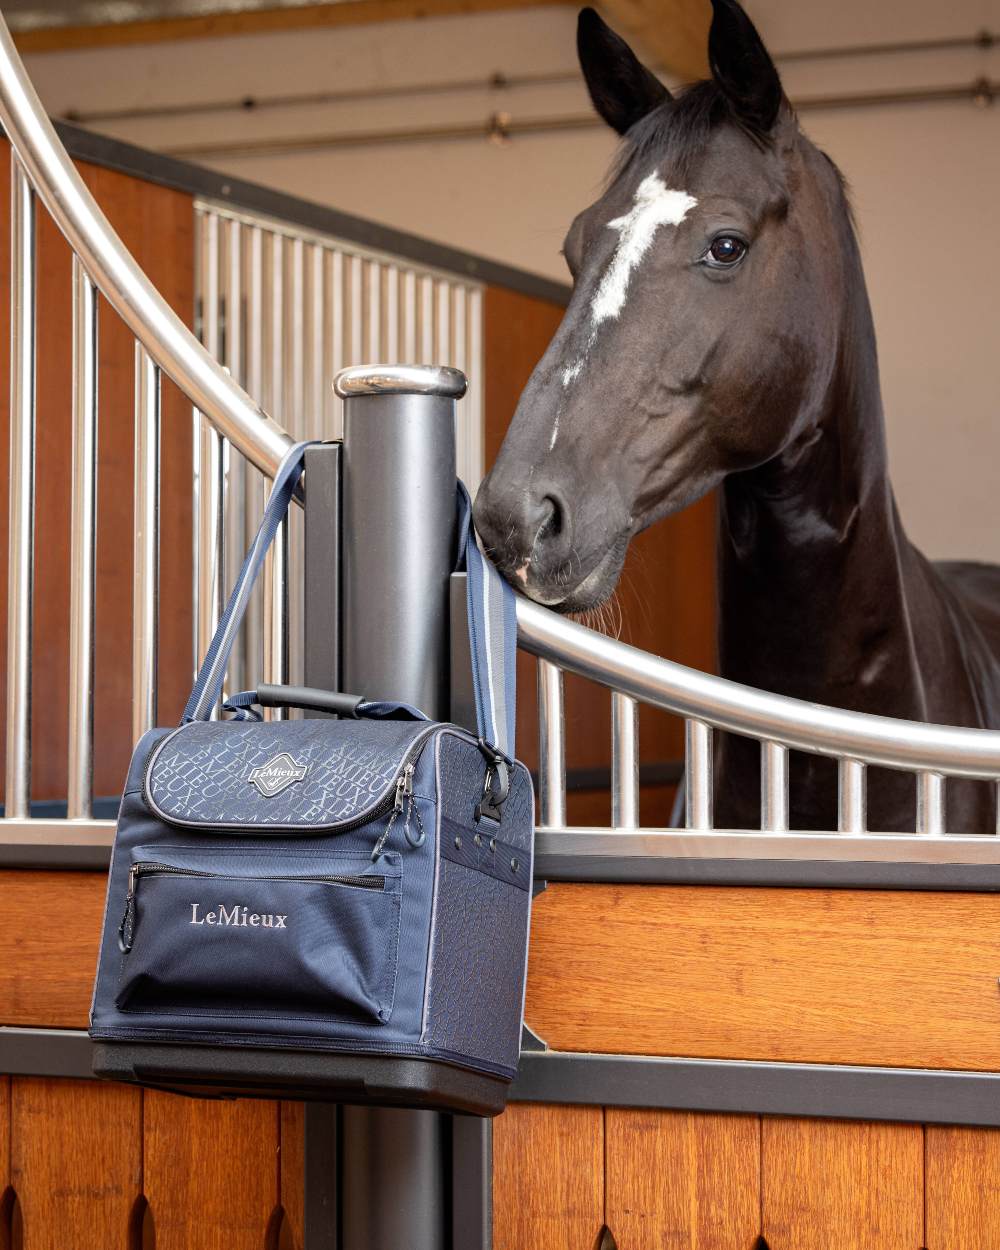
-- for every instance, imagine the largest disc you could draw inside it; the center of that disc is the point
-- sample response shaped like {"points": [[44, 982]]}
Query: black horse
{"points": [[719, 334]]}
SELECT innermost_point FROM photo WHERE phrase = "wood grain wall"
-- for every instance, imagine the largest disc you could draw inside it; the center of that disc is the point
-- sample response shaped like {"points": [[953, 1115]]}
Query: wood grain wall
{"points": [[664, 1180]]}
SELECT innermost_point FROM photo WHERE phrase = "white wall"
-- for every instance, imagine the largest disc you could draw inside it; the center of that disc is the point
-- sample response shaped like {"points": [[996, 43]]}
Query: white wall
{"points": [[926, 183]]}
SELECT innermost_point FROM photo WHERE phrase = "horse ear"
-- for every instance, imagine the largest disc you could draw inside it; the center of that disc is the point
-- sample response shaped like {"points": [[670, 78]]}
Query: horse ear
{"points": [[621, 87], [743, 68]]}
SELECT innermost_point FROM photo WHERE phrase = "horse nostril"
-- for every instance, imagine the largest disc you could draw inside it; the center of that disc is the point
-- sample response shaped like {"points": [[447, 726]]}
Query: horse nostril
{"points": [[553, 519]]}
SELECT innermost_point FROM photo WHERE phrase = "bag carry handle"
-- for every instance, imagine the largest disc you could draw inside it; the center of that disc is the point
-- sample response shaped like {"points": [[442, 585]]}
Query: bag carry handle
{"points": [[491, 615]]}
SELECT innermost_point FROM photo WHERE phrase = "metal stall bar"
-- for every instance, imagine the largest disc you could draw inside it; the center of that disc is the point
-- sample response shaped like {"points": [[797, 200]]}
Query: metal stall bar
{"points": [[551, 746], [773, 787], [698, 777], [852, 799], [930, 804], [20, 573], [624, 762], [83, 548], [398, 549], [146, 547]]}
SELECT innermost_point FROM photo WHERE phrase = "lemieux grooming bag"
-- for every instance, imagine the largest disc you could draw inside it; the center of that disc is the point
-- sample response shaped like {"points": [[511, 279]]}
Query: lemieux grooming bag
{"points": [[333, 907]]}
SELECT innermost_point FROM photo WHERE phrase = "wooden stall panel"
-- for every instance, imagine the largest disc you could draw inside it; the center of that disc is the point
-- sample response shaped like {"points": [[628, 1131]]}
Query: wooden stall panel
{"points": [[677, 1181], [293, 1175], [76, 1162], [211, 1172], [963, 1188], [847, 1185], [50, 928], [4, 1153], [548, 1178], [843, 976]]}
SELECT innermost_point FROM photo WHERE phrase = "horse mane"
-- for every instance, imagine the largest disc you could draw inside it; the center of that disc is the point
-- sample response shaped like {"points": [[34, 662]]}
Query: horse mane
{"points": [[679, 128]]}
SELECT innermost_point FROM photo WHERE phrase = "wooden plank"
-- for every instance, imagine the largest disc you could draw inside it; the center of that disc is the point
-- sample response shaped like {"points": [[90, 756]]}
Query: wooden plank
{"points": [[292, 1178], [4, 1141], [963, 1188], [850, 1185], [673, 32], [682, 1182], [50, 928], [548, 1178], [254, 21], [843, 976], [76, 1162], [211, 1171]]}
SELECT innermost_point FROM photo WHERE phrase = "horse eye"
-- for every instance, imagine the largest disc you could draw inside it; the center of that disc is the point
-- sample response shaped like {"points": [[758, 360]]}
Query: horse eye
{"points": [[725, 251]]}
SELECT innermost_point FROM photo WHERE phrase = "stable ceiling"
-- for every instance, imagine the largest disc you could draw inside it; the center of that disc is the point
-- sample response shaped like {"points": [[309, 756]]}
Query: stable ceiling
{"points": [[670, 32]]}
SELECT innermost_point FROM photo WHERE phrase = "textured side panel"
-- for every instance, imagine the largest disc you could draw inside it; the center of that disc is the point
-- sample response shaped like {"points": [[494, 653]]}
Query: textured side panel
{"points": [[480, 925], [682, 1182], [548, 1178], [76, 1162], [881, 977], [211, 1171], [963, 1188], [292, 1176], [475, 1003], [850, 1185], [50, 926]]}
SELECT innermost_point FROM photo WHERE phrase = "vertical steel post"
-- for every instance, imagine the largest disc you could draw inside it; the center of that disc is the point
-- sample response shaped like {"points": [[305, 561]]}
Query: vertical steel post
{"points": [[398, 548]]}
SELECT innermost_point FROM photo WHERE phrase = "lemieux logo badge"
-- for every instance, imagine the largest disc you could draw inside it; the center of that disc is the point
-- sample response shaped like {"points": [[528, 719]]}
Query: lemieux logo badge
{"points": [[277, 774]]}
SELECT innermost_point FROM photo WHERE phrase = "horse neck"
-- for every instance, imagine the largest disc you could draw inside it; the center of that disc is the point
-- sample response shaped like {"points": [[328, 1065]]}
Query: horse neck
{"points": [[813, 559]]}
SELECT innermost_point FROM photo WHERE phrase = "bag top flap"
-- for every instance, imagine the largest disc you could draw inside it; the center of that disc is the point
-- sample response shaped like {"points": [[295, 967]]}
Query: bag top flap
{"points": [[302, 775]]}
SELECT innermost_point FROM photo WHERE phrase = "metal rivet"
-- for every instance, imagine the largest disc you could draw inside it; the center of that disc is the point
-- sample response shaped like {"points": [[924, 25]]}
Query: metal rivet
{"points": [[493, 844], [513, 865], [478, 840], [458, 843]]}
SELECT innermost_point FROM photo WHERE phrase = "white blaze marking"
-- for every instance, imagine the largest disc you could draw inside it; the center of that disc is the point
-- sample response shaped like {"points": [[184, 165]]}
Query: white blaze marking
{"points": [[655, 205]]}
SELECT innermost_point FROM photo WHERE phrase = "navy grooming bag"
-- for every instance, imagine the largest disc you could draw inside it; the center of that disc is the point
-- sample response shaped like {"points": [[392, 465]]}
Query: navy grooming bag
{"points": [[324, 908]]}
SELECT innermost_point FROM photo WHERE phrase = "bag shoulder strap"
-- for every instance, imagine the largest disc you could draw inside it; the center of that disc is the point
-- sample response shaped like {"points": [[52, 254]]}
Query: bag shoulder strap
{"points": [[490, 608], [207, 689], [492, 616]]}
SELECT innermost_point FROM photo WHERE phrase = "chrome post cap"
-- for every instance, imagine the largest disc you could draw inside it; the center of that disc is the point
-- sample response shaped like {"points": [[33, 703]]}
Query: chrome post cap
{"points": [[400, 380]]}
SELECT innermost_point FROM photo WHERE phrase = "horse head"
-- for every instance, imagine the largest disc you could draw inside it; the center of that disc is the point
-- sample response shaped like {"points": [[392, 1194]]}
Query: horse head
{"points": [[704, 323]]}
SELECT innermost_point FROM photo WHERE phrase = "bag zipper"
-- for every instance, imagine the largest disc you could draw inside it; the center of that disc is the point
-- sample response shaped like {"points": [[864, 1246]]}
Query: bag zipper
{"points": [[150, 869]]}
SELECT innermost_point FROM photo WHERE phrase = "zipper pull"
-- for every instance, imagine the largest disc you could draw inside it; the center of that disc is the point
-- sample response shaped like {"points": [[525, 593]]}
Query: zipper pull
{"points": [[404, 798], [126, 926], [412, 810]]}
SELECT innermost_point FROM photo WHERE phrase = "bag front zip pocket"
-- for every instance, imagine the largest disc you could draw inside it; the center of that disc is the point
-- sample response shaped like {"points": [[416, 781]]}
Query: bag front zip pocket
{"points": [[288, 938], [125, 929]]}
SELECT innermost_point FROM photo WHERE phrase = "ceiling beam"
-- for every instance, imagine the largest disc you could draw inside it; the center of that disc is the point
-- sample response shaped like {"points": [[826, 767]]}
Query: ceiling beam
{"points": [[255, 21], [672, 34]]}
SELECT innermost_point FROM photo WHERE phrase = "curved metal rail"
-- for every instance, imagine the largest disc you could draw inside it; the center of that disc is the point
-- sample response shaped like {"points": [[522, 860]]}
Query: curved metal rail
{"points": [[113, 270], [779, 723]]}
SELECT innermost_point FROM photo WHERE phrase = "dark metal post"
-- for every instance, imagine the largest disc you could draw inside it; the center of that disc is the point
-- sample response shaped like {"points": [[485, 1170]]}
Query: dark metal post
{"points": [[321, 604], [398, 546]]}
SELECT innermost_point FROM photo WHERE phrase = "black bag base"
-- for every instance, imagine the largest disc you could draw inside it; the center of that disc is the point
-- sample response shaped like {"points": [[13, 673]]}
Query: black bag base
{"points": [[309, 1076]]}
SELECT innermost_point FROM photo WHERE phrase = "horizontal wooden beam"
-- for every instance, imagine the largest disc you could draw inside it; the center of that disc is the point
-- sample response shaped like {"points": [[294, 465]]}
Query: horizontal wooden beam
{"points": [[877, 978], [255, 21], [673, 34]]}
